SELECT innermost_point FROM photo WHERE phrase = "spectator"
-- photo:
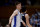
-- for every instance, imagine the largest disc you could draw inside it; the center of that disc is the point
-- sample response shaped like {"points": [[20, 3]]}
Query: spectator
{"points": [[35, 19]]}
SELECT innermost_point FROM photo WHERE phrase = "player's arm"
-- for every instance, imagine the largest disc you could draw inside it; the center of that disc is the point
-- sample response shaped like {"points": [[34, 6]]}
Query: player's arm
{"points": [[27, 20], [14, 14], [23, 22]]}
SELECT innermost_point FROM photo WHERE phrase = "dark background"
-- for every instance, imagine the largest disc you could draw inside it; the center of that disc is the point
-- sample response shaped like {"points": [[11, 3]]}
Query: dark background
{"points": [[8, 6]]}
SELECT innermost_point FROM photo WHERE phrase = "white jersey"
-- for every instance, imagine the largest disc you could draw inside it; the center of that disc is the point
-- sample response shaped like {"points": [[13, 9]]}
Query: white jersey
{"points": [[16, 20]]}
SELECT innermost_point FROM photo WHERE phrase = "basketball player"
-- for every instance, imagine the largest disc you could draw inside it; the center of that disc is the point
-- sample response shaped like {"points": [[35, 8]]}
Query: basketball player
{"points": [[15, 18], [25, 18]]}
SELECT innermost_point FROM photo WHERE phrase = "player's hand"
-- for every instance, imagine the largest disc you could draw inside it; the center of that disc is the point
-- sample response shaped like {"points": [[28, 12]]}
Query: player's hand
{"points": [[24, 24], [30, 26], [7, 25]]}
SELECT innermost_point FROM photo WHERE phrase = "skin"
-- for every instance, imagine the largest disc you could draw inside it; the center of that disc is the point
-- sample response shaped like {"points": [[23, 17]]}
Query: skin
{"points": [[27, 20], [15, 13], [23, 23]]}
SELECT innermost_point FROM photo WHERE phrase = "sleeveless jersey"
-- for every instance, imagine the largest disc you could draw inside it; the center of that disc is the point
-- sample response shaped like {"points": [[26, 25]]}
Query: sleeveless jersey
{"points": [[16, 20], [24, 19]]}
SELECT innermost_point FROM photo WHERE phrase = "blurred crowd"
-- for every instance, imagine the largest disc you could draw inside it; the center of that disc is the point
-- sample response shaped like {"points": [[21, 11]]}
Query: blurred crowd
{"points": [[35, 19]]}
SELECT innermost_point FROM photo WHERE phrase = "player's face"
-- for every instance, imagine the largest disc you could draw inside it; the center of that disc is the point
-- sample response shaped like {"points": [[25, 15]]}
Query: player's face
{"points": [[19, 6]]}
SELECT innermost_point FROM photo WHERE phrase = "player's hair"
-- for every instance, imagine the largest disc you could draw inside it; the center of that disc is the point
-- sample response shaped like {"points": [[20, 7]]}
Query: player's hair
{"points": [[23, 9], [16, 3]]}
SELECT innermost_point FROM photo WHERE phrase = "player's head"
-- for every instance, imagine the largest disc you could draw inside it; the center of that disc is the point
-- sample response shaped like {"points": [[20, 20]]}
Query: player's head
{"points": [[18, 5], [23, 9]]}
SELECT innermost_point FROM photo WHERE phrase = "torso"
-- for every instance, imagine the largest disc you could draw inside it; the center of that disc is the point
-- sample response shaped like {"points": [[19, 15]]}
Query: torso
{"points": [[23, 17], [16, 19]]}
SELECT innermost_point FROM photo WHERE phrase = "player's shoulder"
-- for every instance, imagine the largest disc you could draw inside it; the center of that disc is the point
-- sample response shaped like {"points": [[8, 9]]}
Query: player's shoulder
{"points": [[26, 15], [16, 11]]}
